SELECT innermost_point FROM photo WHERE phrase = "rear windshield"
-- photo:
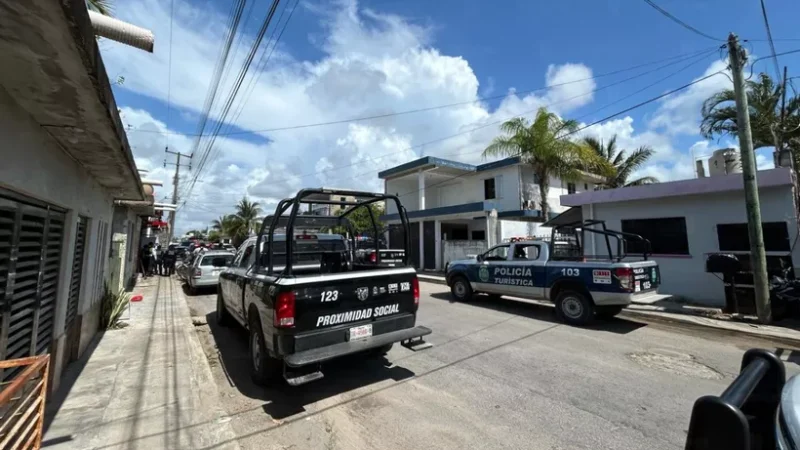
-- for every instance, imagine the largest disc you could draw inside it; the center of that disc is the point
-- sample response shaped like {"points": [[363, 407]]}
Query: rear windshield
{"points": [[305, 251], [208, 260]]}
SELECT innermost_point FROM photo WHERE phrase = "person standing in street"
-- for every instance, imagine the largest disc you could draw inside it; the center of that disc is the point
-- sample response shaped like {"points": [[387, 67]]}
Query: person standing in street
{"points": [[159, 260], [169, 260]]}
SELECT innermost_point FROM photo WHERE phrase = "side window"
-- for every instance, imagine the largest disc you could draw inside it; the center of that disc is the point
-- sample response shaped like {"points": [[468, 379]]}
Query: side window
{"points": [[238, 259], [499, 253], [249, 257], [528, 252]]}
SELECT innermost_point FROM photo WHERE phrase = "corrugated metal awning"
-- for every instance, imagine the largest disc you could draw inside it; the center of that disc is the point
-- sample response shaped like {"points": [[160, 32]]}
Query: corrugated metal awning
{"points": [[572, 215]]}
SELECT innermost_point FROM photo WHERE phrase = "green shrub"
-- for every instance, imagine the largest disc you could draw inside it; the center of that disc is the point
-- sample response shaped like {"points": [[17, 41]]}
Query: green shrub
{"points": [[113, 307]]}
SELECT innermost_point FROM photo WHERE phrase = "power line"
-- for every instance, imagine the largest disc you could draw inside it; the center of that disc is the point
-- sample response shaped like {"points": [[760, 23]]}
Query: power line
{"points": [[234, 91], [619, 113], [769, 37], [581, 128], [682, 58], [679, 21], [461, 133]]}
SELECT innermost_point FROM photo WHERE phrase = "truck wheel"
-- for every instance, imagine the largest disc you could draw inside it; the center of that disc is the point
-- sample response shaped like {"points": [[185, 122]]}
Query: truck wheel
{"points": [[607, 312], [574, 308], [461, 289], [223, 317], [381, 351], [263, 368]]}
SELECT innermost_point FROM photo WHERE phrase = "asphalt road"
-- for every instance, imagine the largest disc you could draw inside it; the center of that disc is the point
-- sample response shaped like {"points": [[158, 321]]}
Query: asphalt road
{"points": [[502, 375]]}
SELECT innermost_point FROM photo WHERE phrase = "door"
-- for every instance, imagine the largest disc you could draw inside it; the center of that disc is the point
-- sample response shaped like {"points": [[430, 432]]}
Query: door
{"points": [[414, 253], [429, 236], [31, 236], [487, 277], [236, 279], [523, 273]]}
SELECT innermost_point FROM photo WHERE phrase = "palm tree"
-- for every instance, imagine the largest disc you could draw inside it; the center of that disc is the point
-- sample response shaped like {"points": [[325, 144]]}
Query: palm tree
{"points": [[247, 213], [764, 101], [101, 6], [542, 145], [624, 165]]}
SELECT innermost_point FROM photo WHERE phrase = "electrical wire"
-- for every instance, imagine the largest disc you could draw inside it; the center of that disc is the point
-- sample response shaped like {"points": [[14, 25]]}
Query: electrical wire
{"points": [[234, 91], [769, 37], [679, 21], [497, 122], [682, 58]]}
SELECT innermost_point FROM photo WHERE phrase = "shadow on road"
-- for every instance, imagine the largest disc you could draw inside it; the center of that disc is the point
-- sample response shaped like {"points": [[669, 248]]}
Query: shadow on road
{"points": [[200, 290], [540, 312], [341, 375]]}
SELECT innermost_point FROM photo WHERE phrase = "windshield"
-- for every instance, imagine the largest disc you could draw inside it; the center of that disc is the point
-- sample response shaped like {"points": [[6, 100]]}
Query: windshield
{"points": [[208, 260]]}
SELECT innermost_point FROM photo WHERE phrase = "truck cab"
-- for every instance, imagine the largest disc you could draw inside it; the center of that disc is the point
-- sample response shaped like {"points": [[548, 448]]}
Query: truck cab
{"points": [[581, 287]]}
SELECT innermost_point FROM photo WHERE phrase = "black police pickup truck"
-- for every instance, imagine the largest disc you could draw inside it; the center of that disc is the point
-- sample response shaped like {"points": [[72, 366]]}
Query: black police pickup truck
{"points": [[306, 299]]}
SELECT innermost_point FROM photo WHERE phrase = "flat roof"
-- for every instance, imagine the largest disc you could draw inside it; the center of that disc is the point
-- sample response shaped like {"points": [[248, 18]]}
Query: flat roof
{"points": [[430, 162], [780, 176]]}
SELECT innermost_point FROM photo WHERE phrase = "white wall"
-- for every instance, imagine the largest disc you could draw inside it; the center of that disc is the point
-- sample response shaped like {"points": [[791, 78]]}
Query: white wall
{"points": [[685, 275], [406, 188], [34, 165]]}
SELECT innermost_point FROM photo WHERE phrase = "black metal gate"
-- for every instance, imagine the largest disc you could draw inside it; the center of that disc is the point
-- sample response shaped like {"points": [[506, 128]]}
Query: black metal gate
{"points": [[77, 272], [31, 236]]}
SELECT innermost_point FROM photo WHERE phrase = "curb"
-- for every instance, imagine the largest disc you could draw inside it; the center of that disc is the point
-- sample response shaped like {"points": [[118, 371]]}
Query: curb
{"points": [[671, 319]]}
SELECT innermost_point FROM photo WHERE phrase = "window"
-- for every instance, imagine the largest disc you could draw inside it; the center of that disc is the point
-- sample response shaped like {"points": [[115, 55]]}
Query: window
{"points": [[667, 236], [499, 253], [585, 186], [489, 189], [571, 188], [733, 237], [478, 235], [248, 257], [526, 252], [342, 199], [208, 260]]}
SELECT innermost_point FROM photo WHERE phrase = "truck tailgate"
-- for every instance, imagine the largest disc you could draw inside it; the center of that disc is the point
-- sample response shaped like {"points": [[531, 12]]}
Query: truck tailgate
{"points": [[355, 298]]}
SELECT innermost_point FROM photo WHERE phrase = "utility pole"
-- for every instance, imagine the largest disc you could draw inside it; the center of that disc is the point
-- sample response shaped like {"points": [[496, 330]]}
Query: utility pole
{"points": [[175, 180], [758, 258], [780, 145]]}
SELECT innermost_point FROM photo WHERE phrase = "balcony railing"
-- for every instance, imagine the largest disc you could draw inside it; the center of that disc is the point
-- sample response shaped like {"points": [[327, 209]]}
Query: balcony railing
{"points": [[22, 401]]}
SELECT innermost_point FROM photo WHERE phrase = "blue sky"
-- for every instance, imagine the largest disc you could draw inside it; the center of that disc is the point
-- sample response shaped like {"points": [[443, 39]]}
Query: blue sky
{"points": [[349, 59]]}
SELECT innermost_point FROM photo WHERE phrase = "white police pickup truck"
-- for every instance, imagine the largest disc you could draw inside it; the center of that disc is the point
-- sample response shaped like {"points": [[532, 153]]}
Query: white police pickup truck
{"points": [[580, 287]]}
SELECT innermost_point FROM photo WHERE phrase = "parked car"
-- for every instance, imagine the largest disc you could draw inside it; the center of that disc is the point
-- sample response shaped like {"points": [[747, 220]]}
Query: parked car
{"points": [[581, 289], [303, 303], [367, 252], [205, 270]]}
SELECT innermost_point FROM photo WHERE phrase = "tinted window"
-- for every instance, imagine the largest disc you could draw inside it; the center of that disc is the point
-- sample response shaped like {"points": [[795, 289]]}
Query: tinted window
{"points": [[734, 237], [305, 252], [529, 252], [497, 254], [248, 256], [488, 189], [208, 260], [667, 236]]}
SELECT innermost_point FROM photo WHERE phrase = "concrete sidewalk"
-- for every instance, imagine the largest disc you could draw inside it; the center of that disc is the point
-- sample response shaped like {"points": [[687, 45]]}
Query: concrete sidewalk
{"points": [[147, 386], [689, 316]]}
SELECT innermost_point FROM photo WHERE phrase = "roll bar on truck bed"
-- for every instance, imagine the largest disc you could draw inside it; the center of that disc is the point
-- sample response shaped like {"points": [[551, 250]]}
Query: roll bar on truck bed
{"points": [[362, 200]]}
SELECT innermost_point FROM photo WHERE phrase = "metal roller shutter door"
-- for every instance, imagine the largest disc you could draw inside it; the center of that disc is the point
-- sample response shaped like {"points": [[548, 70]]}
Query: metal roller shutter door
{"points": [[30, 251]]}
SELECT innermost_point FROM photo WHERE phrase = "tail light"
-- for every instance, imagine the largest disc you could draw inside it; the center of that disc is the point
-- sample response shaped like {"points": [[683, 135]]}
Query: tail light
{"points": [[625, 277], [284, 310], [415, 289], [373, 257], [198, 273]]}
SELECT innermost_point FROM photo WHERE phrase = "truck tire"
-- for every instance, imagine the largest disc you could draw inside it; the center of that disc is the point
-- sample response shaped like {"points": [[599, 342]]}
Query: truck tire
{"points": [[607, 312], [263, 368], [381, 351], [574, 308], [461, 289], [223, 317]]}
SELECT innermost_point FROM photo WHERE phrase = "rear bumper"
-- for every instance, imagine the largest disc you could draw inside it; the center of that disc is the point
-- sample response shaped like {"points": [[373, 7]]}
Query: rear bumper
{"points": [[317, 355], [624, 299]]}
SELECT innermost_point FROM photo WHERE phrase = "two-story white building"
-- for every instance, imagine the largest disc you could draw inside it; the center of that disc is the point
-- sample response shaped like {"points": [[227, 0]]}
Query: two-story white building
{"points": [[450, 202]]}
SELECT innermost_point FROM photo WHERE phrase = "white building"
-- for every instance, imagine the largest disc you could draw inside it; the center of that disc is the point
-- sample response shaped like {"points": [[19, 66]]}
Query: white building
{"points": [[451, 201], [686, 220], [68, 184]]}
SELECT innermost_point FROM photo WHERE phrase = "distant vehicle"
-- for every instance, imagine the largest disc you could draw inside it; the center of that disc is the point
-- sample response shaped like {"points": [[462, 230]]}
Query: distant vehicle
{"points": [[305, 301], [367, 252], [205, 270], [229, 247], [559, 272]]}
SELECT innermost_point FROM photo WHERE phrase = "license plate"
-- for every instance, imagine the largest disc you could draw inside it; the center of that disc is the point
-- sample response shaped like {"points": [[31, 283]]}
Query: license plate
{"points": [[361, 332]]}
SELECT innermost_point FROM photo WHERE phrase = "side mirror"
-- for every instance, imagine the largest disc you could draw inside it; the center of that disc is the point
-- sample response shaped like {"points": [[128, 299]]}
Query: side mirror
{"points": [[479, 258]]}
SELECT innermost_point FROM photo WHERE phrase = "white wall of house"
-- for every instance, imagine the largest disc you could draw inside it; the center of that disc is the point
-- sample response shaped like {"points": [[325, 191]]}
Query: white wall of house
{"points": [[405, 188], [31, 158], [684, 275]]}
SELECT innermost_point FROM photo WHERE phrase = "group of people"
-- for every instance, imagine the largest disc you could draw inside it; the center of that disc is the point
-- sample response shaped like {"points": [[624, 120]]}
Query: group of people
{"points": [[156, 261]]}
